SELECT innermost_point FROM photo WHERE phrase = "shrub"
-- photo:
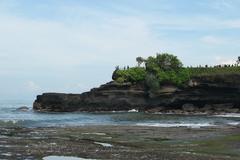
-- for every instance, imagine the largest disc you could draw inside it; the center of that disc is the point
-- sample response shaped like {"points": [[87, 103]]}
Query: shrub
{"points": [[135, 74], [120, 80]]}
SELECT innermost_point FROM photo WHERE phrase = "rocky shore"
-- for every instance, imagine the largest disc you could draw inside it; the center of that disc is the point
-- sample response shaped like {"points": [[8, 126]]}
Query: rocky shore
{"points": [[213, 94], [121, 143]]}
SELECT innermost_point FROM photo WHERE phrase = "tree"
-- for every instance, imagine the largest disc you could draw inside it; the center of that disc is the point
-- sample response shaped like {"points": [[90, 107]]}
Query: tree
{"points": [[162, 69], [164, 62], [238, 61], [167, 62], [139, 60], [151, 65]]}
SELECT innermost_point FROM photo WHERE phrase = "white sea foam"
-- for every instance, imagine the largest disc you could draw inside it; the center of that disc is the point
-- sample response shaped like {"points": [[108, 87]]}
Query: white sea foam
{"points": [[6, 146], [133, 110], [118, 111], [233, 115], [189, 125], [64, 158], [5, 122], [234, 123], [95, 133], [6, 154], [11, 121], [104, 144]]}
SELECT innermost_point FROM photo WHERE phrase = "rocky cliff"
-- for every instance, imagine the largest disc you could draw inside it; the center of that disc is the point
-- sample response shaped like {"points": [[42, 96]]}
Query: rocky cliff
{"points": [[205, 94]]}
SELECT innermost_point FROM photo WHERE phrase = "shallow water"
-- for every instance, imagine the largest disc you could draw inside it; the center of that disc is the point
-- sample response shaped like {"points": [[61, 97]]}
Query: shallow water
{"points": [[9, 116]]}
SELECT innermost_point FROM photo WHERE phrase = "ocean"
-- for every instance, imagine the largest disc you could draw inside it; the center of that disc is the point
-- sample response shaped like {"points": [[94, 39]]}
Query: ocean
{"points": [[10, 116]]}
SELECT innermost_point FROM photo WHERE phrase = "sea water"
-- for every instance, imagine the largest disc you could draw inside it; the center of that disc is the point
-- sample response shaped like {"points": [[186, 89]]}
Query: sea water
{"points": [[10, 116]]}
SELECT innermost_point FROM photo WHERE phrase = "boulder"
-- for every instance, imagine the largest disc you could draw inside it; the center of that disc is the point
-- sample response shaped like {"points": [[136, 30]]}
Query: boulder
{"points": [[189, 107], [232, 110], [207, 107], [23, 109], [155, 109], [222, 107]]}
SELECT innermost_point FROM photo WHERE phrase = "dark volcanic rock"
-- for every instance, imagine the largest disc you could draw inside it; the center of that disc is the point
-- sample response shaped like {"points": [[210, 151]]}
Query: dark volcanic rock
{"points": [[208, 94], [189, 107]]}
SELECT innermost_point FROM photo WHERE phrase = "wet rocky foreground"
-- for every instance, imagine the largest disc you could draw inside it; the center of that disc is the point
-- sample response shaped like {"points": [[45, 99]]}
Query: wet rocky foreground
{"points": [[121, 142]]}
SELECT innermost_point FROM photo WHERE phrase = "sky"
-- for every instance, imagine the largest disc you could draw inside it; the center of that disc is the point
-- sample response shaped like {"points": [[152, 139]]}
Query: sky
{"points": [[72, 46]]}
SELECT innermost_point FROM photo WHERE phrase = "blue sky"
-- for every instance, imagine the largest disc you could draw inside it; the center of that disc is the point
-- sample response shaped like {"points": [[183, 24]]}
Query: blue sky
{"points": [[74, 45]]}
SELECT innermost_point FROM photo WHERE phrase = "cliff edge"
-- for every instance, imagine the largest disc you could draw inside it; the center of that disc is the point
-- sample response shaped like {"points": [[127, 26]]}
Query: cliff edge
{"points": [[205, 94]]}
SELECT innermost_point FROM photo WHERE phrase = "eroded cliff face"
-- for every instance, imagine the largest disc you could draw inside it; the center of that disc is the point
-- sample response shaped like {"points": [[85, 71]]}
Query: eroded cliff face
{"points": [[108, 97], [206, 94]]}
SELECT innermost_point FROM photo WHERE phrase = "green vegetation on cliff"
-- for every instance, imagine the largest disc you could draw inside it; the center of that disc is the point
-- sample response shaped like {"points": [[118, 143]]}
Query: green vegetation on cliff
{"points": [[135, 74], [163, 68], [205, 71], [166, 68]]}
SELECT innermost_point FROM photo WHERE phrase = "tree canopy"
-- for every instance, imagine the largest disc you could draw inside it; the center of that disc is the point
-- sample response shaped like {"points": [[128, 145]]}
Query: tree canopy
{"points": [[162, 68], [140, 60]]}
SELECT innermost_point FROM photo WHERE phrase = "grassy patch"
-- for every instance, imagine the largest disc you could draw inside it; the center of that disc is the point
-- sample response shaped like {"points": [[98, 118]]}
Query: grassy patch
{"points": [[214, 71], [227, 145]]}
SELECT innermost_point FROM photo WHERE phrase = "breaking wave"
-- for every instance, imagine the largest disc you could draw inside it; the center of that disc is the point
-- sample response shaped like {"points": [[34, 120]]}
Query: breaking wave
{"points": [[230, 115]]}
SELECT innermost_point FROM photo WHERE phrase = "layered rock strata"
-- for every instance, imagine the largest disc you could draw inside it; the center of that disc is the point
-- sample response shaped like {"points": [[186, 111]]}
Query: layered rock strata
{"points": [[205, 94]]}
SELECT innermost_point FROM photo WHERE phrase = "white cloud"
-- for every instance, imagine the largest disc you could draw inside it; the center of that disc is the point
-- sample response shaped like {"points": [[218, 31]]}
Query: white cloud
{"points": [[29, 43], [32, 86], [224, 60], [222, 5], [212, 40], [56, 53], [195, 23], [233, 23], [54, 50]]}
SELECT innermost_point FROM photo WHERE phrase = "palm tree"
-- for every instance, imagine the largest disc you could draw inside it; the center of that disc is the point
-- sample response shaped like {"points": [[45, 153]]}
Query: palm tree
{"points": [[139, 60]]}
